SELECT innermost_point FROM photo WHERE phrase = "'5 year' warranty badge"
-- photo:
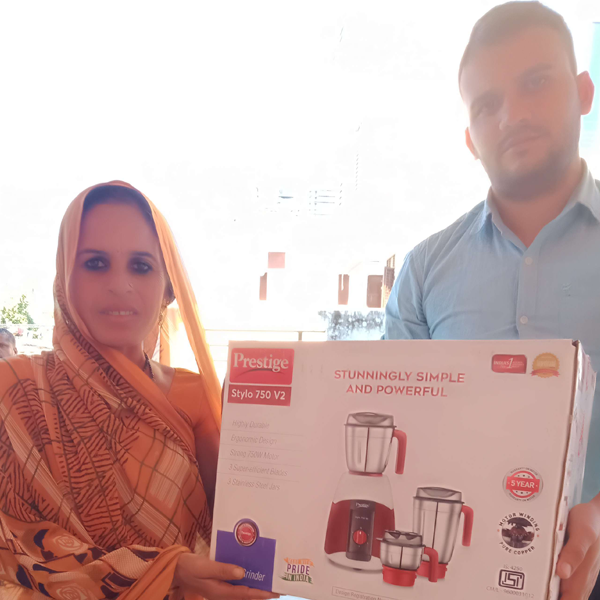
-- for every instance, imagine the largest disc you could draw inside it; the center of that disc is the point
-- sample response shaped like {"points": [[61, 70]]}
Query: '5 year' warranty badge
{"points": [[523, 484]]}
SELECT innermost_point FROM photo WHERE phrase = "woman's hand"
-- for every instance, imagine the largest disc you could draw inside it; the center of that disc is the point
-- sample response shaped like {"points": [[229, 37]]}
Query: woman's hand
{"points": [[208, 578], [579, 560]]}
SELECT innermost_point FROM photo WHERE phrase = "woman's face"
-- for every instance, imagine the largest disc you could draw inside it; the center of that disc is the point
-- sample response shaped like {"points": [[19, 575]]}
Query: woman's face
{"points": [[119, 280]]}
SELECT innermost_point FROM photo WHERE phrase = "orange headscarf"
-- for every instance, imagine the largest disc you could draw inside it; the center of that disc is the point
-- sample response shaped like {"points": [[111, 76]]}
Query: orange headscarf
{"points": [[99, 485]]}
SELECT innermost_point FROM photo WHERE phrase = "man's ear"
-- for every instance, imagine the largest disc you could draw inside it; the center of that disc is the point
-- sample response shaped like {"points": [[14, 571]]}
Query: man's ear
{"points": [[585, 88], [470, 144]]}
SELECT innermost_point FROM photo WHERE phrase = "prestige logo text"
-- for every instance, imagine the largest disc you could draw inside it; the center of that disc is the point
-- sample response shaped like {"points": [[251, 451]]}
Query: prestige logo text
{"points": [[267, 363], [263, 366]]}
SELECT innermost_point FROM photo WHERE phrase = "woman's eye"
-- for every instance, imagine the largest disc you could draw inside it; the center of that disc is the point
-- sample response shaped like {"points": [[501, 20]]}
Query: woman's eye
{"points": [[141, 267], [95, 264]]}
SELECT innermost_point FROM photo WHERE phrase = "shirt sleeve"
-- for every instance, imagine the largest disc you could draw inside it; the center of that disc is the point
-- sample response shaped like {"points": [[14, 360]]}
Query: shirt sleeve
{"points": [[404, 316]]}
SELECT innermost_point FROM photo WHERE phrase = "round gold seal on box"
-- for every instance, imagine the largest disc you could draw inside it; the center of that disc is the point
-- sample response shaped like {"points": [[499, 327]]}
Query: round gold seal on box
{"points": [[545, 365]]}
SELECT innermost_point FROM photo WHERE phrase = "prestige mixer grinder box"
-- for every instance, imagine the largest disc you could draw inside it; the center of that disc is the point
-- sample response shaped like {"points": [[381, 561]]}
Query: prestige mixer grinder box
{"points": [[401, 469]]}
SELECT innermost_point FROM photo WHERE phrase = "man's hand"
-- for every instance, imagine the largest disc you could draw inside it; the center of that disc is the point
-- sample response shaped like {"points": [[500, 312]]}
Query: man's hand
{"points": [[579, 561]]}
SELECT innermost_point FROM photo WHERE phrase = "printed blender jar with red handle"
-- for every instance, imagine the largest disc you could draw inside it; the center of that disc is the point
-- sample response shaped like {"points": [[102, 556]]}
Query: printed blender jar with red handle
{"points": [[436, 516], [363, 508], [401, 556]]}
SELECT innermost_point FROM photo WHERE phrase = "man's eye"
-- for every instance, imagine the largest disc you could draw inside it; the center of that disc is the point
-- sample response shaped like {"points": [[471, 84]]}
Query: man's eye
{"points": [[536, 81], [95, 264], [488, 107]]}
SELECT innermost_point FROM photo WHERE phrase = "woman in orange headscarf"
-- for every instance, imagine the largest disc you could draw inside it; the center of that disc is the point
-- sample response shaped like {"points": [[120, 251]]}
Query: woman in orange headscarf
{"points": [[107, 458]]}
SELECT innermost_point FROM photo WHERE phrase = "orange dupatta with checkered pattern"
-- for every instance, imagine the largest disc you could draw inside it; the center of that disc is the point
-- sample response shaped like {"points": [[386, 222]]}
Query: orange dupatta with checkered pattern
{"points": [[99, 485]]}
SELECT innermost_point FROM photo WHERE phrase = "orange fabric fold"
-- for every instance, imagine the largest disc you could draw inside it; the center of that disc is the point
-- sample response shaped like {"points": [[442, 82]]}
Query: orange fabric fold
{"points": [[100, 490]]}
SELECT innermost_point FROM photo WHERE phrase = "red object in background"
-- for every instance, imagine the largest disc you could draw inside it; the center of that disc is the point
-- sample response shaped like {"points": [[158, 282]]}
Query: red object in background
{"points": [[375, 291], [343, 289], [276, 260], [262, 293]]}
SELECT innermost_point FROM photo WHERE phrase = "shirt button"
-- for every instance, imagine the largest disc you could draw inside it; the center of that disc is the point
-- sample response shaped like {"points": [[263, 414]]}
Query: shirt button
{"points": [[524, 320], [529, 260]]}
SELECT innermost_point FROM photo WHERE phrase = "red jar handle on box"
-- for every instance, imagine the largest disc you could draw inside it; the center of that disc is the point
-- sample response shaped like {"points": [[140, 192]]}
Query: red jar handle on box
{"points": [[401, 455], [468, 525], [433, 564]]}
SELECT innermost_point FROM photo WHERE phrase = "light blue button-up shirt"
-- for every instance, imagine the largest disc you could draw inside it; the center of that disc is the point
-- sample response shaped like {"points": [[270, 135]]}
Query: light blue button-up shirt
{"points": [[476, 280]]}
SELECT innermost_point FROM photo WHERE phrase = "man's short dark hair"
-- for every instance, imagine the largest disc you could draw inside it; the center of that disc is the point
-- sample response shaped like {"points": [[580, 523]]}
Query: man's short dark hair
{"points": [[505, 20], [9, 335]]}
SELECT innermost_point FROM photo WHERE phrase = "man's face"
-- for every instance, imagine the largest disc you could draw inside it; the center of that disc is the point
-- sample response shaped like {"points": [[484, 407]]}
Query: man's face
{"points": [[7, 348], [525, 105]]}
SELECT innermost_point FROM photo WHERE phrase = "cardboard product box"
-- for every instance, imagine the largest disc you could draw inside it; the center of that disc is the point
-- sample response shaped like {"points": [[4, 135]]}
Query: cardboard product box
{"points": [[401, 469]]}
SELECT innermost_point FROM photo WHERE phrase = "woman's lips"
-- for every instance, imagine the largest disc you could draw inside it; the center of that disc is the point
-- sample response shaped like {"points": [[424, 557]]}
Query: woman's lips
{"points": [[119, 314]]}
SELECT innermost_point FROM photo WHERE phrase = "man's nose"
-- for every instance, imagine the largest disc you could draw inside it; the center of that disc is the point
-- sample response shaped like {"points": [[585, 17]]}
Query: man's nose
{"points": [[514, 111]]}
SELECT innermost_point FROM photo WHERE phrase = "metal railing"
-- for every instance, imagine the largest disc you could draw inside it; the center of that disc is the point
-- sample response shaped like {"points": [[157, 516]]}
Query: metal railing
{"points": [[31, 339]]}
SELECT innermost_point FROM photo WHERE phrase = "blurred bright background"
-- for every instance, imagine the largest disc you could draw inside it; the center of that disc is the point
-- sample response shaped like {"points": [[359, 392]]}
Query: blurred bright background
{"points": [[329, 134]]}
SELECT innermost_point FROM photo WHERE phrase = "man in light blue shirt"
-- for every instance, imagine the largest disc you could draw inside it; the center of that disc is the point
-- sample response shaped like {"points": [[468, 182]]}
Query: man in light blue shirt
{"points": [[526, 262]]}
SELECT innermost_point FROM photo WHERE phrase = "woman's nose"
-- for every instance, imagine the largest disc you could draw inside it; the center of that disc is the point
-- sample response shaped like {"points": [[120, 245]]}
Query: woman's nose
{"points": [[120, 283]]}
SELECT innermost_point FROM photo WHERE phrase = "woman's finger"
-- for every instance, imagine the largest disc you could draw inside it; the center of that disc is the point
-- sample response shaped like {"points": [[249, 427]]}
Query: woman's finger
{"points": [[211, 569], [213, 589], [190, 566]]}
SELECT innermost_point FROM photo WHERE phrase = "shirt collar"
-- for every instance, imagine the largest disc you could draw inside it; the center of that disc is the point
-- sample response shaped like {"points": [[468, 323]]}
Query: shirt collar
{"points": [[586, 193], [486, 213]]}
